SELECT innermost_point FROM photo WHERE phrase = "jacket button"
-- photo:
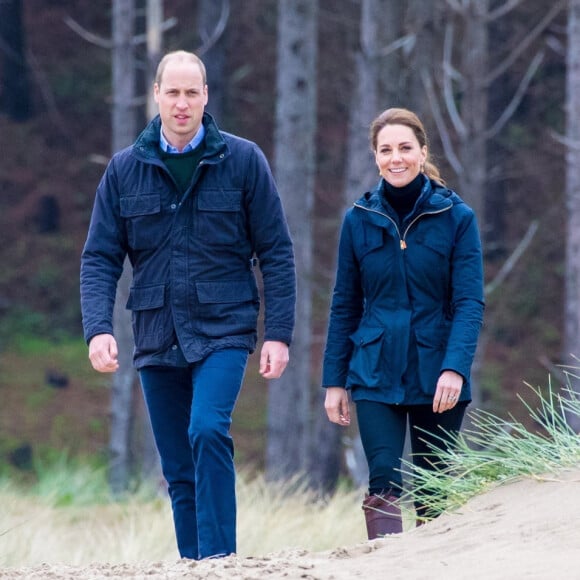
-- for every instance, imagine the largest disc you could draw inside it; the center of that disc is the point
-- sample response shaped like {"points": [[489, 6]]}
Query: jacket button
{"points": [[173, 206]]}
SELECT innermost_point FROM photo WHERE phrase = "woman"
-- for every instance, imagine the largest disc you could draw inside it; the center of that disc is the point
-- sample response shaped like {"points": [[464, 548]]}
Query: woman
{"points": [[406, 314]]}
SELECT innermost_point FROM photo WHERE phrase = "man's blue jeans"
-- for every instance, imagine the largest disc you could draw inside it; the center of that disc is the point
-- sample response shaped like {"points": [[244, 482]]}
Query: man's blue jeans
{"points": [[191, 414]]}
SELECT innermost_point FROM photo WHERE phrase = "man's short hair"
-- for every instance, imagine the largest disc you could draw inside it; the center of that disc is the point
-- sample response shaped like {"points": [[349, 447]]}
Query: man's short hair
{"points": [[180, 56]]}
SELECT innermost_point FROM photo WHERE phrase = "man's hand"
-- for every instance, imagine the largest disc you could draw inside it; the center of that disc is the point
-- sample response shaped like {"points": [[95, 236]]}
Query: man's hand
{"points": [[273, 359], [103, 353], [336, 405]]}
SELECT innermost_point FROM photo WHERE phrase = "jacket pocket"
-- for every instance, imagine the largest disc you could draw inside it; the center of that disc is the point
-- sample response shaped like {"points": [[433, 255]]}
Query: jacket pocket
{"points": [[435, 249], [370, 239], [431, 348], [152, 324], [220, 216], [367, 365], [227, 307], [142, 215]]}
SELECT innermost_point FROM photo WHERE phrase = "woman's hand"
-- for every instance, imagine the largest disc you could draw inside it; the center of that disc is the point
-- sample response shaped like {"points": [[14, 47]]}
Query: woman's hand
{"points": [[337, 406], [448, 390]]}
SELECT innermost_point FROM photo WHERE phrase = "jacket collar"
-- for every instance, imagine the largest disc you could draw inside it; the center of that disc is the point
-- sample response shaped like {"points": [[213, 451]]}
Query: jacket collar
{"points": [[147, 143], [433, 198]]}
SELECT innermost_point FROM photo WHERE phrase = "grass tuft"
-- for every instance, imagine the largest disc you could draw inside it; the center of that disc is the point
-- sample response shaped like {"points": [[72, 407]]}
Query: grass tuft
{"points": [[495, 450]]}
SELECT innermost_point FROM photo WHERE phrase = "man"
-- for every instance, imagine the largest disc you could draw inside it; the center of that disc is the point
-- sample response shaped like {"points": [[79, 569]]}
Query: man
{"points": [[193, 208]]}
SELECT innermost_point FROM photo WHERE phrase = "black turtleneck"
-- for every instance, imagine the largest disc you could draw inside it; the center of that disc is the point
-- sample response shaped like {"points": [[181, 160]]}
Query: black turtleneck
{"points": [[402, 199]]}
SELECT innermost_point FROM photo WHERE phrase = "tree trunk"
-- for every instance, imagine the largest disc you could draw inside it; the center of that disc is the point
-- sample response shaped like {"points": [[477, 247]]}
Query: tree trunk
{"points": [[154, 24], [474, 66], [145, 450], [472, 182], [15, 82], [123, 134], [572, 304], [289, 404], [361, 171], [209, 13], [497, 190], [423, 21]]}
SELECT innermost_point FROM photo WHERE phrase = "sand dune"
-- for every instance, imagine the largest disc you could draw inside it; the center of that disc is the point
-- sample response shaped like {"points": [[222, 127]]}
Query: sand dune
{"points": [[523, 530]]}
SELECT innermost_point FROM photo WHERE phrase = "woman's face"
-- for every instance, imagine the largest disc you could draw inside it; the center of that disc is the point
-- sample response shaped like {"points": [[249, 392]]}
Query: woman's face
{"points": [[398, 155]]}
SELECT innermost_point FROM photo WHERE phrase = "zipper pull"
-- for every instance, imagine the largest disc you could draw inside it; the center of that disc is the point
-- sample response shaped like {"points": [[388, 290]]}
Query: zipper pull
{"points": [[403, 245]]}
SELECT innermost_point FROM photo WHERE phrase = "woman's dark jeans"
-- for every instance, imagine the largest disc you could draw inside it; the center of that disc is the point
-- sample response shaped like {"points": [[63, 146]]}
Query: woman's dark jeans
{"points": [[191, 413], [383, 429]]}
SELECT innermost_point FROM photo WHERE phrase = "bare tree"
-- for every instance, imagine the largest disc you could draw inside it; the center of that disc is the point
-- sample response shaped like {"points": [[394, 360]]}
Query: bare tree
{"points": [[397, 42], [377, 86], [147, 454], [123, 124], [460, 103], [154, 35], [125, 415], [289, 404], [423, 23], [572, 301], [212, 19], [460, 100]]}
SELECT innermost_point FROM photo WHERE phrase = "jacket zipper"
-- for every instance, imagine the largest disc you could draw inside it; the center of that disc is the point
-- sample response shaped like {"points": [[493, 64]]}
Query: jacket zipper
{"points": [[402, 241]]}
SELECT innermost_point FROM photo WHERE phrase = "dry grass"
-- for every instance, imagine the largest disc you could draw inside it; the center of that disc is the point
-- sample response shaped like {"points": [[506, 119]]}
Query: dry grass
{"points": [[35, 530]]}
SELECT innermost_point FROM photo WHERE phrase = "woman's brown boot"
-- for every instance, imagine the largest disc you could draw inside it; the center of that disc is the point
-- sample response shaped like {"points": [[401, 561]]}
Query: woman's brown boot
{"points": [[382, 515]]}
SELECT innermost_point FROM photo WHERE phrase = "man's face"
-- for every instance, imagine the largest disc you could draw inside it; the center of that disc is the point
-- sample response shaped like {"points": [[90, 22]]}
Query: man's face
{"points": [[181, 97]]}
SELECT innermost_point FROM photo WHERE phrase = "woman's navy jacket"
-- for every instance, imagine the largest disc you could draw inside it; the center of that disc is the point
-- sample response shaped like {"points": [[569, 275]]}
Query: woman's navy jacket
{"points": [[193, 254], [408, 301]]}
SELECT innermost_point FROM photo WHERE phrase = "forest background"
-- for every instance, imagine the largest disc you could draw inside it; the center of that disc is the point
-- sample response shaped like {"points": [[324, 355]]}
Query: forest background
{"points": [[56, 137]]}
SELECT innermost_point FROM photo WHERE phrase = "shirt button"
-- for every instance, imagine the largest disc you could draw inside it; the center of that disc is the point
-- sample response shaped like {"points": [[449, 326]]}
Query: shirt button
{"points": [[173, 205], [174, 347]]}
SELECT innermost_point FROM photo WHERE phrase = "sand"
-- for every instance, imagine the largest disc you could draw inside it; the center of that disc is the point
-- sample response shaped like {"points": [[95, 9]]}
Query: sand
{"points": [[527, 529]]}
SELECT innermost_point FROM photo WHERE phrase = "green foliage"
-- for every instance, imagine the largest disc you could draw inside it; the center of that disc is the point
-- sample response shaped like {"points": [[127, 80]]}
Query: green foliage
{"points": [[495, 450], [36, 400], [68, 350], [60, 479], [64, 352], [65, 481], [40, 418], [21, 321]]}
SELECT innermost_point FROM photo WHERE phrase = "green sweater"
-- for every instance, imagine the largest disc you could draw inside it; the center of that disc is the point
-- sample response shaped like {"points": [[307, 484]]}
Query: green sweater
{"points": [[182, 165]]}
